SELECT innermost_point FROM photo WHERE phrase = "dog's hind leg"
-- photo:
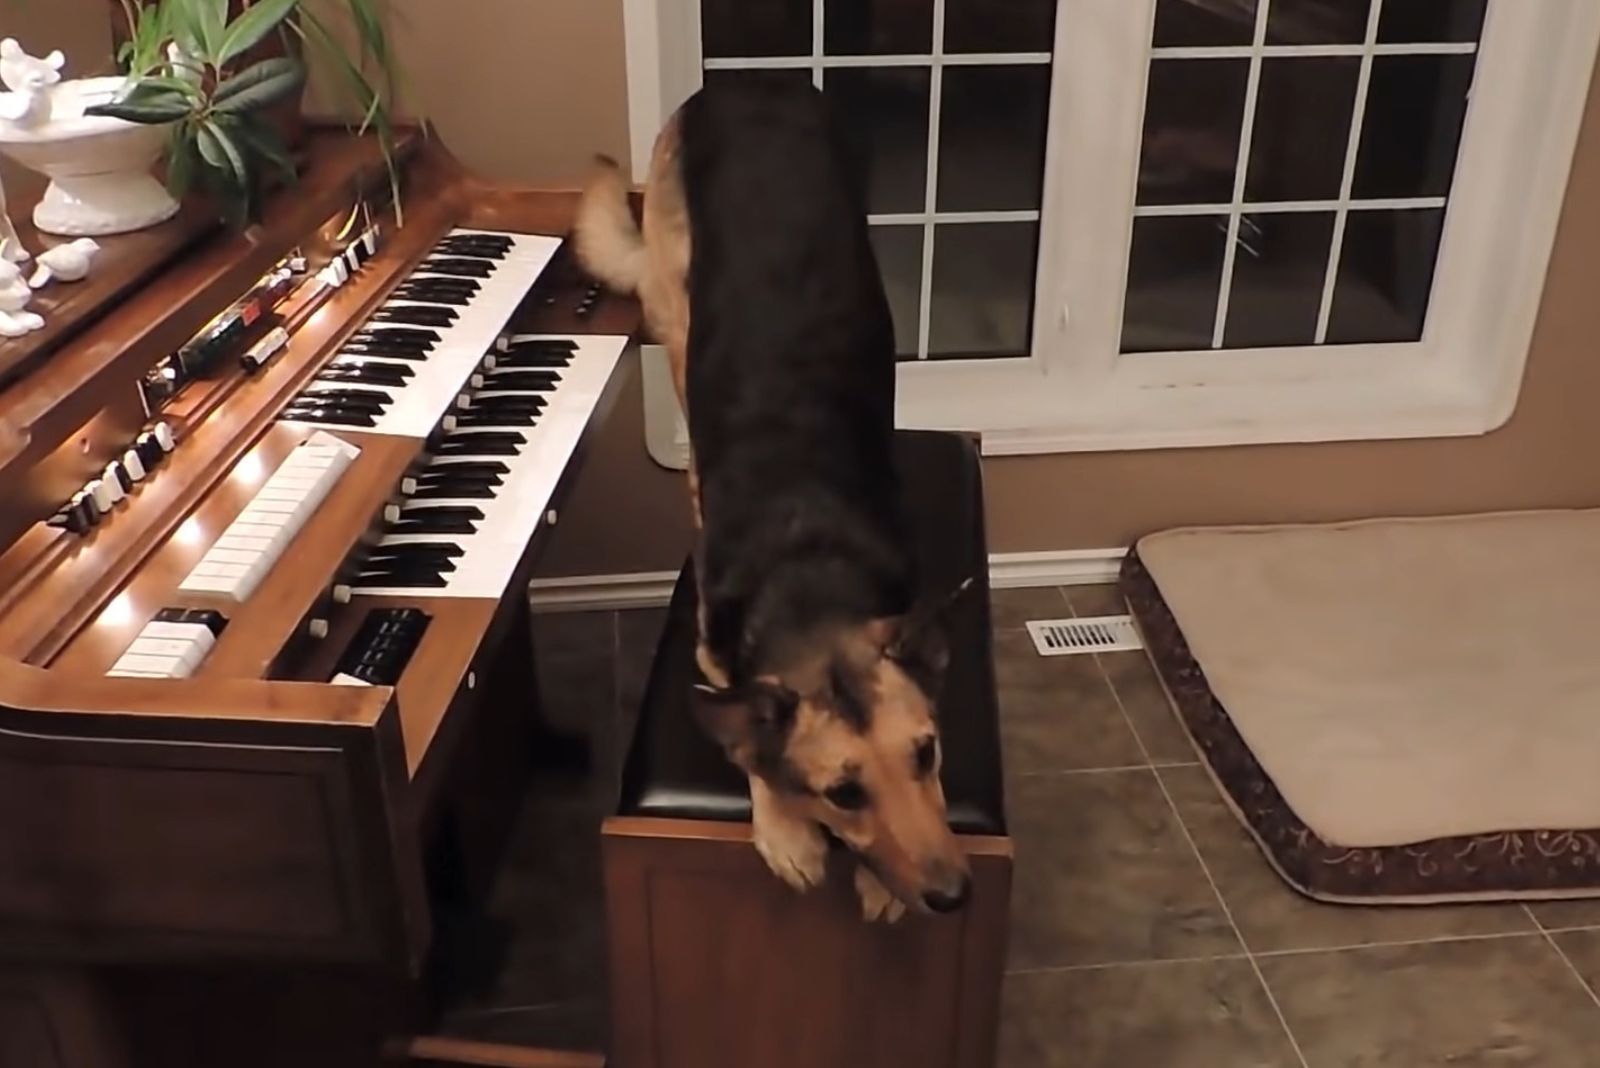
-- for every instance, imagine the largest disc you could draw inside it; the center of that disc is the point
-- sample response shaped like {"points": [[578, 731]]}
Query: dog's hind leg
{"points": [[793, 847]]}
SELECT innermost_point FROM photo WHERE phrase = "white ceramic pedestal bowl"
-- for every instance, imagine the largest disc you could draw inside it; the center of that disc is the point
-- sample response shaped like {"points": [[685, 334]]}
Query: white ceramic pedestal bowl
{"points": [[99, 167]]}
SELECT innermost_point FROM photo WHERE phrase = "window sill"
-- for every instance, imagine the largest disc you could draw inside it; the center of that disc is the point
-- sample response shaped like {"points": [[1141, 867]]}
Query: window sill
{"points": [[1117, 419]]}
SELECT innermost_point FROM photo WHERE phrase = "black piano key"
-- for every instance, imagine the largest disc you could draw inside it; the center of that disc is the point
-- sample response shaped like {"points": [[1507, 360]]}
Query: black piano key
{"points": [[399, 372], [472, 245], [420, 580], [332, 419], [427, 315], [520, 382], [478, 491], [350, 393], [531, 361], [431, 553], [453, 298], [435, 525], [420, 335], [460, 266], [385, 352], [496, 420], [343, 404], [431, 511], [397, 564], [377, 376], [465, 439], [497, 449], [440, 284]]}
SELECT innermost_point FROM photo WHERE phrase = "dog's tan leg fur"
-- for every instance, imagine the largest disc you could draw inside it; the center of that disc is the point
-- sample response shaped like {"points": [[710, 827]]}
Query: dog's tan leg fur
{"points": [[793, 847]]}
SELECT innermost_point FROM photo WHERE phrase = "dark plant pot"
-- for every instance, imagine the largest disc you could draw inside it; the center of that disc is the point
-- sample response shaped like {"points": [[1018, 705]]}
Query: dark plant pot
{"points": [[287, 117]]}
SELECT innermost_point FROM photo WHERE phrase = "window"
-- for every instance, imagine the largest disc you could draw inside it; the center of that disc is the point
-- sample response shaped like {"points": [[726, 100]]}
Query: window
{"points": [[945, 110], [1150, 223]]}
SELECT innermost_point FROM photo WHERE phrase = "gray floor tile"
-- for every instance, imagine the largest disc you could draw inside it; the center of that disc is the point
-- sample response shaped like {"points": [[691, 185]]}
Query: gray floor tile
{"points": [[1271, 916], [1105, 874], [1010, 609], [1202, 1014], [1582, 948], [1486, 1002], [1100, 600], [1557, 915], [1137, 687], [1057, 712], [575, 654]]}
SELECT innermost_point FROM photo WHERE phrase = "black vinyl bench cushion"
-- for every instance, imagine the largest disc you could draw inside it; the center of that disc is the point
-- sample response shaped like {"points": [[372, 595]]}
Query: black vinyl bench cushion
{"points": [[674, 771]]}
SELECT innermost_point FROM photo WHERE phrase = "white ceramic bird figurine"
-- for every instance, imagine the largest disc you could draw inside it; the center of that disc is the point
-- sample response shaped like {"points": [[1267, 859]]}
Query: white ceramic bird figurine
{"points": [[30, 80], [15, 319], [11, 249], [66, 263]]}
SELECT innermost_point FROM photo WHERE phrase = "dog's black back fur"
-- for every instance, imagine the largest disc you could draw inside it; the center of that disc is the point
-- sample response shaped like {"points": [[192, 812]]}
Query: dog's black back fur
{"points": [[791, 376]]}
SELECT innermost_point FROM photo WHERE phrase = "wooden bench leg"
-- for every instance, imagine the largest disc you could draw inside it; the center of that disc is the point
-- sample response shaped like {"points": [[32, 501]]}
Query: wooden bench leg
{"points": [[716, 964]]}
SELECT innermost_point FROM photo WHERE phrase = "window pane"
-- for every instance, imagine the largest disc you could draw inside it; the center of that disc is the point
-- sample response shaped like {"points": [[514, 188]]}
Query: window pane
{"points": [[1279, 269], [852, 27], [884, 114], [1431, 21], [1174, 278], [1187, 23], [755, 27], [1302, 128], [982, 289], [991, 137], [899, 253], [1319, 21], [1415, 110], [1191, 130], [999, 25], [1385, 276], [757, 77]]}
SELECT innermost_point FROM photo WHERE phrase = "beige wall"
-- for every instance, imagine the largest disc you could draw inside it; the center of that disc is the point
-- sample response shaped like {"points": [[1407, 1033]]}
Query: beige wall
{"points": [[521, 90], [526, 90], [80, 28]]}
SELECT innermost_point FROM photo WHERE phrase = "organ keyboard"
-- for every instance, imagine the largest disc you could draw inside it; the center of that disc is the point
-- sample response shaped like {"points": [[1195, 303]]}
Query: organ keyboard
{"points": [[263, 568]]}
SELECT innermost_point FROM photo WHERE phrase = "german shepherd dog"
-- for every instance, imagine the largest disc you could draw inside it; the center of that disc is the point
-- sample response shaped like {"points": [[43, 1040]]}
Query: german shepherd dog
{"points": [[756, 274]]}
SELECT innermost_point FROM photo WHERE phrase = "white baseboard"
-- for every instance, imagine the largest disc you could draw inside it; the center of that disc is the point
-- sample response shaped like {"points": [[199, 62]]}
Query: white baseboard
{"points": [[1064, 567], [653, 589]]}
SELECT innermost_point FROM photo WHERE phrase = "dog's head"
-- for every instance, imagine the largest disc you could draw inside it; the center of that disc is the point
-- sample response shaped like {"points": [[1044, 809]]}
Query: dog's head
{"points": [[843, 730]]}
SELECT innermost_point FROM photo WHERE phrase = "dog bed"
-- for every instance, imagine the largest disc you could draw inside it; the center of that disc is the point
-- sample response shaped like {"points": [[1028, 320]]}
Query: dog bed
{"points": [[1399, 710]]}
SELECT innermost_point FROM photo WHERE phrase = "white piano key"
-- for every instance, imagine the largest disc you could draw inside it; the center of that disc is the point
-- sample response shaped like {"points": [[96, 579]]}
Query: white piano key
{"points": [[518, 507], [252, 544]]}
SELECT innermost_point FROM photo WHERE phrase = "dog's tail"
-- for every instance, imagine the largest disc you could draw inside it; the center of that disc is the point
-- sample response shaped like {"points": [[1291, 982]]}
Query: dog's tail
{"points": [[607, 240]]}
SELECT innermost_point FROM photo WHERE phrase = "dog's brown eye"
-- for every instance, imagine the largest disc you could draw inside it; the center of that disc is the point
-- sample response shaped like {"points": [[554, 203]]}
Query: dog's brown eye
{"points": [[927, 753], [849, 796]]}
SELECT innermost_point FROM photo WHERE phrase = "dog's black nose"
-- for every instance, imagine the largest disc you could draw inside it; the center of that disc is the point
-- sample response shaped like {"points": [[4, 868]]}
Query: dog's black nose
{"points": [[949, 901]]}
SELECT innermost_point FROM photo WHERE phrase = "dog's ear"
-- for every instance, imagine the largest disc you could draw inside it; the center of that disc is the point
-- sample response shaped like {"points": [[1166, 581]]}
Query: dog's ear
{"points": [[921, 643], [749, 721]]}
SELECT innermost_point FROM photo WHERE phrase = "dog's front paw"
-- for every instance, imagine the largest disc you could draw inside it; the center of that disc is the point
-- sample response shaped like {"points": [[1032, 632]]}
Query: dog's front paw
{"points": [[876, 901], [794, 849]]}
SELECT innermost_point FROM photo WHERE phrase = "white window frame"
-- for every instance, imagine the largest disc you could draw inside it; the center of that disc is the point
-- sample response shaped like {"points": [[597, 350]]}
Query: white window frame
{"points": [[1077, 392]]}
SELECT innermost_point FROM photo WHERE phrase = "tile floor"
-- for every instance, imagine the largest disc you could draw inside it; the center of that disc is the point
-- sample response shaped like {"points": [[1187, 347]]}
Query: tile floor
{"points": [[1147, 932]]}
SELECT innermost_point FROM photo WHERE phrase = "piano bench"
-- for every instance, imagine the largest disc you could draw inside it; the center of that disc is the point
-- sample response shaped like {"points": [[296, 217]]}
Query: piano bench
{"points": [[714, 963]]}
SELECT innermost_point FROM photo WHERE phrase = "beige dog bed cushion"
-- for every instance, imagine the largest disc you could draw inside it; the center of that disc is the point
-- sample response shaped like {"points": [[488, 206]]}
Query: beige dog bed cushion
{"points": [[1398, 710]]}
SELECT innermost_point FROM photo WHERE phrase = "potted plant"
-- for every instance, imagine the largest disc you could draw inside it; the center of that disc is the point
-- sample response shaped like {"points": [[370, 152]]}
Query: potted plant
{"points": [[226, 79]]}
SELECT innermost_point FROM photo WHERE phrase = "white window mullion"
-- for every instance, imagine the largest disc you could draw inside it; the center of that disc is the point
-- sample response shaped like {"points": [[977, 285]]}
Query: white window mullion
{"points": [[931, 200], [818, 31], [1240, 174], [1358, 115]]}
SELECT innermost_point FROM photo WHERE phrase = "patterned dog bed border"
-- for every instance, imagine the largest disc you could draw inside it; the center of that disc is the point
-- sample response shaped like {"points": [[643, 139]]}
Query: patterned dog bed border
{"points": [[1515, 864]]}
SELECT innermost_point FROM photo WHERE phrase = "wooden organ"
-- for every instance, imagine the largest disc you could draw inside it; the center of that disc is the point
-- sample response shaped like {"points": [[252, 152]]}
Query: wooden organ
{"points": [[270, 506]]}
